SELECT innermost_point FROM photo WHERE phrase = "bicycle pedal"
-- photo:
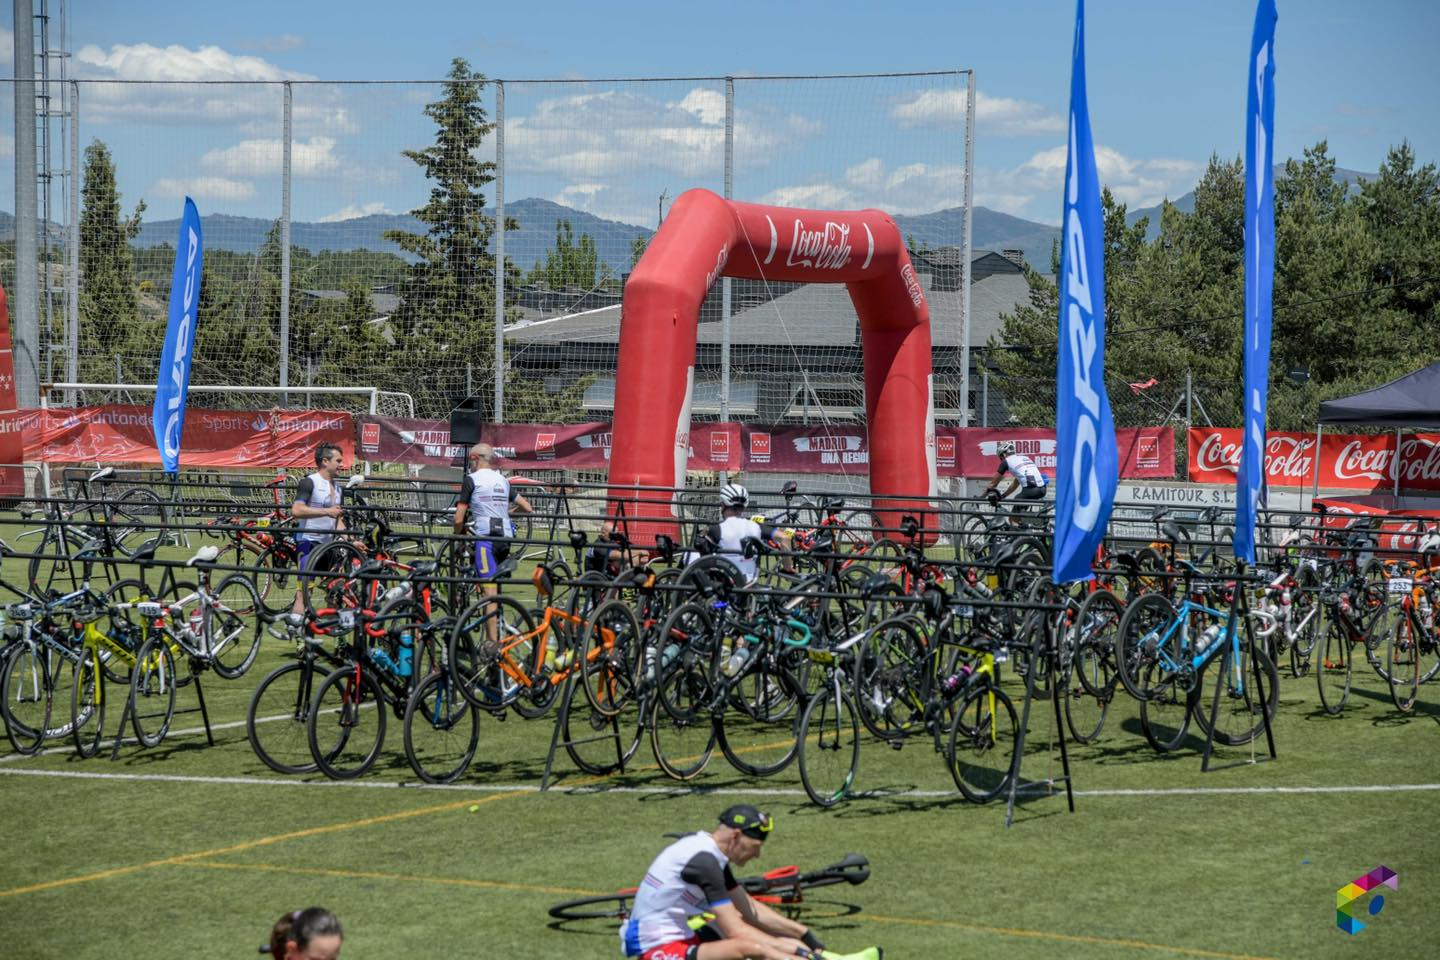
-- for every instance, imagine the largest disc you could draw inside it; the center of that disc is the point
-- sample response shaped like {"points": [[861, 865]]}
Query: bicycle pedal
{"points": [[897, 744]]}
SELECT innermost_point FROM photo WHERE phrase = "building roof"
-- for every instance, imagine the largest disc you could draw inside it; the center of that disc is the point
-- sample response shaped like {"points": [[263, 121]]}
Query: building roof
{"points": [[814, 314]]}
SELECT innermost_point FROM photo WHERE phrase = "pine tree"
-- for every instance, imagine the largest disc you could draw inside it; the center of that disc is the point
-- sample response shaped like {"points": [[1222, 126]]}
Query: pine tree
{"points": [[108, 299]]}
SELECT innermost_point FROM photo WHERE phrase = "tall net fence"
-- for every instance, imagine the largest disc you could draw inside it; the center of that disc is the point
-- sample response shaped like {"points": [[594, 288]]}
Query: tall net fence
{"points": [[389, 196]]}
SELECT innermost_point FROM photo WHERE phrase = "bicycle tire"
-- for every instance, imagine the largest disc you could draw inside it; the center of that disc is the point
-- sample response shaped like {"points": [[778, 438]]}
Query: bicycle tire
{"points": [[682, 732], [981, 746], [1240, 719], [829, 747], [275, 584], [594, 752], [609, 906], [124, 625], [690, 631], [1165, 717], [1089, 689], [1334, 666], [1141, 633], [441, 730], [888, 680], [608, 667], [234, 627], [1402, 660], [152, 688], [87, 703], [1304, 608], [328, 583], [278, 716], [757, 732], [140, 506], [28, 690], [346, 726], [475, 660]]}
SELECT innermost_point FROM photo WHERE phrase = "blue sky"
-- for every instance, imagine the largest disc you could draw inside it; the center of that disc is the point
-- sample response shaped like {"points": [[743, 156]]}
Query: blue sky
{"points": [[1167, 88]]}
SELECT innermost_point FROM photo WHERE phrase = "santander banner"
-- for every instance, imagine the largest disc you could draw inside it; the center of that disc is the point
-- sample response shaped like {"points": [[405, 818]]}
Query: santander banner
{"points": [[1346, 461], [213, 438]]}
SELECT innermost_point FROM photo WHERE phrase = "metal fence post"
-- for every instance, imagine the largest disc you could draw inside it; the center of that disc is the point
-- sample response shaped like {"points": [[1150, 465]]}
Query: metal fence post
{"points": [[965, 250], [72, 280], [725, 301], [285, 250], [499, 415], [984, 398]]}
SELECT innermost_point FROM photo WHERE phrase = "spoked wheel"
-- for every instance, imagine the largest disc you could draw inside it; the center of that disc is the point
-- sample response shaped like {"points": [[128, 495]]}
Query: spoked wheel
{"points": [[87, 703], [278, 719], [981, 746], [152, 691], [890, 662], [682, 731], [1165, 714], [347, 723], [1402, 660], [829, 746], [329, 582], [1143, 641], [1305, 615], [234, 627], [28, 688], [599, 745], [610, 906], [1090, 687], [609, 653], [757, 732], [125, 626], [1332, 664], [488, 650], [441, 730], [275, 583], [1241, 700]]}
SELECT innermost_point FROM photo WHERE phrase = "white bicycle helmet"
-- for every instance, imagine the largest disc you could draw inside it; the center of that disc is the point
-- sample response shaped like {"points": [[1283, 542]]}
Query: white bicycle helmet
{"points": [[1004, 448], [734, 495]]}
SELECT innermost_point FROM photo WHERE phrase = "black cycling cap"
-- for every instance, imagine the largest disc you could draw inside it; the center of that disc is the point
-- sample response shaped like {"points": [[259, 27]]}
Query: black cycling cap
{"points": [[748, 820]]}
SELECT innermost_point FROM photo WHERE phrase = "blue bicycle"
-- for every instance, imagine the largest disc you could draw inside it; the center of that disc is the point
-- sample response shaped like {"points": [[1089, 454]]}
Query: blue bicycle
{"points": [[1164, 652]]}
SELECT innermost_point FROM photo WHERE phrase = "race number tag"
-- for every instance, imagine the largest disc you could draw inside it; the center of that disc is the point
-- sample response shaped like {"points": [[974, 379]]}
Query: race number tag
{"points": [[347, 619], [1401, 584]]}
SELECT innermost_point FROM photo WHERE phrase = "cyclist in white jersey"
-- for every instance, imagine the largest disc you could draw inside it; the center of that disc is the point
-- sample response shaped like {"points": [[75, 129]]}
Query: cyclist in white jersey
{"points": [[486, 496], [1023, 474], [317, 507], [690, 882]]}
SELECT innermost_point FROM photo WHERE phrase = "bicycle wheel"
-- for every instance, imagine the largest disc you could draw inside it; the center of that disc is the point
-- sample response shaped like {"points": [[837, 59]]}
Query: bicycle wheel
{"points": [[757, 732], [1089, 688], [981, 746], [682, 731], [487, 650], [28, 689], [142, 510], [1165, 716], [1142, 636], [829, 746], [328, 583], [609, 652], [1402, 660], [599, 745], [124, 626], [234, 627], [1240, 719], [277, 720], [610, 906], [1333, 666], [441, 730], [688, 634], [87, 703], [889, 677], [275, 583], [152, 690], [346, 727], [1305, 620]]}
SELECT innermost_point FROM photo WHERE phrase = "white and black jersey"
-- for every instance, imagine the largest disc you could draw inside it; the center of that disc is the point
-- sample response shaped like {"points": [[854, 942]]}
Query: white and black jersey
{"points": [[689, 877], [729, 536], [319, 492], [488, 495], [1022, 468]]}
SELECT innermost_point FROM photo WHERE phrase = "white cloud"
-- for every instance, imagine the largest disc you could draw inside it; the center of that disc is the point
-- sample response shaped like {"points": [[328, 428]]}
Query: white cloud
{"points": [[1134, 182], [354, 211], [997, 116], [203, 188], [250, 158], [615, 133], [142, 61], [911, 188]]}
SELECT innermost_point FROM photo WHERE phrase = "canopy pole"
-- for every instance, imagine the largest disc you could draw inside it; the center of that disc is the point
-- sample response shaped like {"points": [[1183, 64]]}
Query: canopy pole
{"points": [[1315, 486], [1396, 466]]}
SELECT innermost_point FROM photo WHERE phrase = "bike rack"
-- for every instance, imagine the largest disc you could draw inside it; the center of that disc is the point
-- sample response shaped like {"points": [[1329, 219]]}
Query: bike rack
{"points": [[129, 713], [1239, 611], [1051, 643], [560, 720]]}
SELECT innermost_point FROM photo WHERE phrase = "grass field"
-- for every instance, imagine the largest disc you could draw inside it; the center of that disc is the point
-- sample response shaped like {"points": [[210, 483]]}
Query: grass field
{"points": [[189, 850]]}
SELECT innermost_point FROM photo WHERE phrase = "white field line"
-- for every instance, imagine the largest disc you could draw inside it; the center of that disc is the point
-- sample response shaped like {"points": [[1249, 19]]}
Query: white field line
{"points": [[722, 791]]}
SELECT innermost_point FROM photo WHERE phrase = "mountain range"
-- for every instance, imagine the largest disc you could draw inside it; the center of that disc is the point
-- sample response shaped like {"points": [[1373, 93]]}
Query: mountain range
{"points": [[613, 239]]}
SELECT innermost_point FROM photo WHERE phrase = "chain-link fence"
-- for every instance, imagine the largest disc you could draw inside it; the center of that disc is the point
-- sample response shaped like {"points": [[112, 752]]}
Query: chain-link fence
{"points": [[352, 232]]}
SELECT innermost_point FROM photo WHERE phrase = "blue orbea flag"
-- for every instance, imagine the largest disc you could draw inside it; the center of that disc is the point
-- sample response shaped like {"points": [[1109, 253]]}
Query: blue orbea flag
{"points": [[1259, 272], [173, 380], [1086, 459]]}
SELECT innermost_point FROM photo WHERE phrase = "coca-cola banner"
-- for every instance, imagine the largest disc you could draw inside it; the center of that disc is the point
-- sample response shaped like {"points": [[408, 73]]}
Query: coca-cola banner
{"points": [[1346, 461], [1401, 530], [213, 438]]}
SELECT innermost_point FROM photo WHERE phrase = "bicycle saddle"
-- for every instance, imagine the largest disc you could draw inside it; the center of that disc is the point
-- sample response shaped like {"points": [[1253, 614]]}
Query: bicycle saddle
{"points": [[206, 554], [1174, 532], [145, 553], [578, 539], [104, 473], [424, 568]]}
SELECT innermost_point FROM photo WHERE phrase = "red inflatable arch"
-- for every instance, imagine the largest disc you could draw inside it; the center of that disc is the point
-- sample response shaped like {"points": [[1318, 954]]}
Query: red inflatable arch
{"points": [[706, 237]]}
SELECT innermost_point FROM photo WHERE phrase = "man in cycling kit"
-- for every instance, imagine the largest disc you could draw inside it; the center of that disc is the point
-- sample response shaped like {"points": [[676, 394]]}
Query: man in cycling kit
{"points": [[690, 907], [486, 496], [1023, 474], [317, 507]]}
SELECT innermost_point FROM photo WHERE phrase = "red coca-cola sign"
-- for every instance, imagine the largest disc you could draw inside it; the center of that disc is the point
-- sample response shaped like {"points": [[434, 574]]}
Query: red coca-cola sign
{"points": [[1345, 461]]}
